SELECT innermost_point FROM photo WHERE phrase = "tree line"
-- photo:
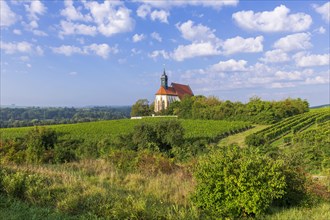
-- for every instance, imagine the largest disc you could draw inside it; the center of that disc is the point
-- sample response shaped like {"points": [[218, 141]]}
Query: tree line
{"points": [[211, 108], [29, 116]]}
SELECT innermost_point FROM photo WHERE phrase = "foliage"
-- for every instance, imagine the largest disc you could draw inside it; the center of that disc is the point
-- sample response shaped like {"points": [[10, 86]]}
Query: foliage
{"points": [[234, 182], [292, 125], [141, 108], [39, 141], [256, 110], [18, 117]]}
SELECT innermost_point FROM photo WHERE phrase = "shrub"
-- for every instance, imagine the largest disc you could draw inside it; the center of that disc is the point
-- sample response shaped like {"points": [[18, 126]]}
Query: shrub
{"points": [[235, 182], [38, 141]]}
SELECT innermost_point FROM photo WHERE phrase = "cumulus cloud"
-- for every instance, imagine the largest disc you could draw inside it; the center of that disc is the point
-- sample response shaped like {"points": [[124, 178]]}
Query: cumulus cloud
{"points": [[138, 37], [195, 33], [183, 52], [241, 45], [144, 11], [70, 28], [67, 50], [159, 53], [34, 10], [299, 41], [73, 14], [324, 10], [170, 3], [17, 32], [7, 16], [160, 15], [317, 80], [156, 36], [20, 47], [102, 50], [107, 18], [229, 66], [275, 56], [308, 60], [277, 20]]}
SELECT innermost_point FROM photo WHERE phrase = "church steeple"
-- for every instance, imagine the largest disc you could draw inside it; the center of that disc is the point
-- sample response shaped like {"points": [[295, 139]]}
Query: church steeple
{"points": [[163, 79]]}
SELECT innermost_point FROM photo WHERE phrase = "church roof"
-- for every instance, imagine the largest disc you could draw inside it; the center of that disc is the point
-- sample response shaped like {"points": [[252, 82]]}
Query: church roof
{"points": [[175, 89], [182, 90], [168, 91]]}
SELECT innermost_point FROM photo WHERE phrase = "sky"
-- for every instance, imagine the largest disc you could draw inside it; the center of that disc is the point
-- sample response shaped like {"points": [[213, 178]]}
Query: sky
{"points": [[82, 53]]}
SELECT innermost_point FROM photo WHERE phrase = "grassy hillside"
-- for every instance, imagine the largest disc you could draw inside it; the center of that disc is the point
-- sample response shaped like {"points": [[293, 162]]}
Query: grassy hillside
{"points": [[96, 131], [128, 183]]}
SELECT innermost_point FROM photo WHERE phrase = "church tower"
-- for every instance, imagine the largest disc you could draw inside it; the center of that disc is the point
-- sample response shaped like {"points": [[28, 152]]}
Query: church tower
{"points": [[168, 94], [164, 80]]}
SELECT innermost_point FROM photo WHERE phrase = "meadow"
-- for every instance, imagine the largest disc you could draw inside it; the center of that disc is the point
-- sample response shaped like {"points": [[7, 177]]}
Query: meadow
{"points": [[144, 183]]}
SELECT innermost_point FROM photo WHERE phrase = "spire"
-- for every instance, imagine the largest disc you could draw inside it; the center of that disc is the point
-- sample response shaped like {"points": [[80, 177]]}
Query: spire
{"points": [[164, 79]]}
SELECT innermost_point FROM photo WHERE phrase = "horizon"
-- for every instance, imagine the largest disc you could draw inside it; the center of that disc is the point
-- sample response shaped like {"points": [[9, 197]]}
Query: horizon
{"points": [[79, 54]]}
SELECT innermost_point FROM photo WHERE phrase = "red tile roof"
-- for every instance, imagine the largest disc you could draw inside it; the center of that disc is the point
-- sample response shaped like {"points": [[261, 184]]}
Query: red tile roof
{"points": [[182, 90], [176, 90], [168, 91]]}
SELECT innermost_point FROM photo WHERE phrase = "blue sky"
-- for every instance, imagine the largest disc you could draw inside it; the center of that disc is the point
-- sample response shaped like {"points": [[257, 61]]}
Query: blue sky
{"points": [[79, 53]]}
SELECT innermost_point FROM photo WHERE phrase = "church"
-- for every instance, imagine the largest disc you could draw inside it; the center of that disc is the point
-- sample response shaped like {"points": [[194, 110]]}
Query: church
{"points": [[168, 94]]}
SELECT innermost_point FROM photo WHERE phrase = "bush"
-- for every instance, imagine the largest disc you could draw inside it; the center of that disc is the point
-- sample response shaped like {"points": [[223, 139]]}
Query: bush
{"points": [[235, 182], [160, 136]]}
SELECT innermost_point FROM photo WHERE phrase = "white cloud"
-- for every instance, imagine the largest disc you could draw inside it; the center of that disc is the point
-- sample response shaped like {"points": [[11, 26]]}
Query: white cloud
{"points": [[102, 50], [111, 17], [306, 60], [280, 85], [29, 65], [299, 41], [19, 47], [195, 33], [156, 36], [229, 66], [183, 52], [17, 32], [35, 8], [160, 15], [275, 56], [72, 13], [158, 53], [317, 80], [324, 10], [7, 16], [170, 3], [321, 30], [67, 50], [241, 45], [70, 28], [138, 37], [277, 20], [107, 18], [293, 75], [143, 11]]}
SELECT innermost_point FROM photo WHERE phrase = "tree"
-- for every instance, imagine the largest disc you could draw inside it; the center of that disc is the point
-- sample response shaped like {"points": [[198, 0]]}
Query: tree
{"points": [[235, 182], [141, 108], [38, 141]]}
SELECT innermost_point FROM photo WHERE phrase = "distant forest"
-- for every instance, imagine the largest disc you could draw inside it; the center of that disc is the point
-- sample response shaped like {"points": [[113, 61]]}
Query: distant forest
{"points": [[29, 116]]}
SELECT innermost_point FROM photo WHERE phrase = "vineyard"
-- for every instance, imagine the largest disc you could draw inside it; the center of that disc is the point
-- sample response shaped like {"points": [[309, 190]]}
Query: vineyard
{"points": [[96, 131], [288, 128]]}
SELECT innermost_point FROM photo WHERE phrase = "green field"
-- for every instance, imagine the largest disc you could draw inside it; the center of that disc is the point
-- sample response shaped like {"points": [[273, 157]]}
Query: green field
{"points": [[144, 184], [96, 131], [289, 127]]}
